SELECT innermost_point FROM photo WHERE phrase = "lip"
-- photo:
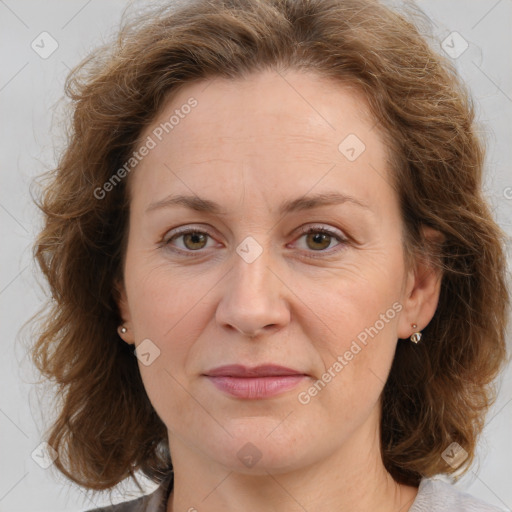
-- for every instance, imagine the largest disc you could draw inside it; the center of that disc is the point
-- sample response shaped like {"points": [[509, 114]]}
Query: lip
{"points": [[254, 383], [264, 370]]}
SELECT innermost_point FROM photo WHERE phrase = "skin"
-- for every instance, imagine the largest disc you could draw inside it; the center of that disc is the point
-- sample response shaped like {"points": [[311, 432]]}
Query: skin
{"points": [[249, 145]]}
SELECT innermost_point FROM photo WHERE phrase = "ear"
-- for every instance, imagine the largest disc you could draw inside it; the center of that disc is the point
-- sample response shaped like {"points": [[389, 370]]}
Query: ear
{"points": [[421, 291], [124, 311]]}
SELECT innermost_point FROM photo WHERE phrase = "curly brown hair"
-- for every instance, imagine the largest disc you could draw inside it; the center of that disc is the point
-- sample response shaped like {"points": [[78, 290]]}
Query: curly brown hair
{"points": [[438, 391]]}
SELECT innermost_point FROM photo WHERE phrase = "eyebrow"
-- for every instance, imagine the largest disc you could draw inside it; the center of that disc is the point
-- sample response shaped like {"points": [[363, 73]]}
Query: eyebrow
{"points": [[204, 205]]}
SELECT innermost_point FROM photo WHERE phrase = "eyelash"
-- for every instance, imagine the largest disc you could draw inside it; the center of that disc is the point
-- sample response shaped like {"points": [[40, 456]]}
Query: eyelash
{"points": [[302, 231]]}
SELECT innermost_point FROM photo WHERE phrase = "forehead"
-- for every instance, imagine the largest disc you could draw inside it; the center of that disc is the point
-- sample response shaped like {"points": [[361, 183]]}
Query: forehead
{"points": [[297, 104], [269, 129]]}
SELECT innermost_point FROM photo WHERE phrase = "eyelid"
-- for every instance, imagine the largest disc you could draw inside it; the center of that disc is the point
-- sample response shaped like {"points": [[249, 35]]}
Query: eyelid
{"points": [[180, 230], [322, 228]]}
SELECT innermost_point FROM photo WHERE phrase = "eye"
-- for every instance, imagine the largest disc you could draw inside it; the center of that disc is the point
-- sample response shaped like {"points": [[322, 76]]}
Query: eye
{"points": [[192, 240], [319, 238]]}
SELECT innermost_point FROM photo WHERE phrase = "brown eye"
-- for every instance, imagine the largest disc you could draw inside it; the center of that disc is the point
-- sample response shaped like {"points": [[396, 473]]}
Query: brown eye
{"points": [[318, 240], [192, 240]]}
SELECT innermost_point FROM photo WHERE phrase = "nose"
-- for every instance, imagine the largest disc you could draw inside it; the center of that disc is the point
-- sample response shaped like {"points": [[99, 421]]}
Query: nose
{"points": [[253, 299]]}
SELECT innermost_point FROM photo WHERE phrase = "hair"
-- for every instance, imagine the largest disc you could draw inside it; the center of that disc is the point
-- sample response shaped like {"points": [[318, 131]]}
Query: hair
{"points": [[438, 391]]}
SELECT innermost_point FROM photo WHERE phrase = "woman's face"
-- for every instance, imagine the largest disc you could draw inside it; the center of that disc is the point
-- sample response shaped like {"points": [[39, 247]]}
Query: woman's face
{"points": [[261, 161]]}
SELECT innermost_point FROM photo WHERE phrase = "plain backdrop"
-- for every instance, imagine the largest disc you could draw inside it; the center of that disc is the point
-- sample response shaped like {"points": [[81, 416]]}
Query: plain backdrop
{"points": [[477, 35]]}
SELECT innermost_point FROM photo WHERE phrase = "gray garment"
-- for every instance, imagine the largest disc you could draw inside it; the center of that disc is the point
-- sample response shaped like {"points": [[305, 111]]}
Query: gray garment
{"points": [[433, 496], [154, 502], [438, 496]]}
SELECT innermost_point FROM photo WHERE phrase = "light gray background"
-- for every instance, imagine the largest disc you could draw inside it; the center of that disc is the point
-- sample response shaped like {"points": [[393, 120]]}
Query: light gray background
{"points": [[29, 88]]}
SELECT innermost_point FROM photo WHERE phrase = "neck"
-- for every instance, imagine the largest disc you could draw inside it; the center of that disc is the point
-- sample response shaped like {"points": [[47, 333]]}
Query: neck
{"points": [[351, 479]]}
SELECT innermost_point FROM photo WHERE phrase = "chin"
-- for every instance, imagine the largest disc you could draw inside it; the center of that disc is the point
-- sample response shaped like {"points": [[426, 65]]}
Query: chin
{"points": [[260, 445]]}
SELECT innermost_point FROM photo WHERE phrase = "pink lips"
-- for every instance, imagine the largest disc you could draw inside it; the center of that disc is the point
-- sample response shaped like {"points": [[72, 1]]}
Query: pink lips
{"points": [[254, 383]]}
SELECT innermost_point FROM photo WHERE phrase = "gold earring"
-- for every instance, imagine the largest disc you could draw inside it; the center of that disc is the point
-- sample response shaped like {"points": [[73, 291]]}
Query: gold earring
{"points": [[415, 337], [122, 329]]}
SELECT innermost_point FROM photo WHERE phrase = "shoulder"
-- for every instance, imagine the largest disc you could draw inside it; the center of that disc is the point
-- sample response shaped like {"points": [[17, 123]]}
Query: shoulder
{"points": [[438, 496], [154, 502], [138, 505]]}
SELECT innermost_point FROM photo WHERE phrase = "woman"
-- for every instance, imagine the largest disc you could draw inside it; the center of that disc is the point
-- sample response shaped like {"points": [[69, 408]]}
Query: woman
{"points": [[276, 284]]}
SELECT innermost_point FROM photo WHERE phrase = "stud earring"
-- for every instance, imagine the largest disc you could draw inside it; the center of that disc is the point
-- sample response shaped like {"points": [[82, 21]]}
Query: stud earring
{"points": [[122, 329], [415, 337]]}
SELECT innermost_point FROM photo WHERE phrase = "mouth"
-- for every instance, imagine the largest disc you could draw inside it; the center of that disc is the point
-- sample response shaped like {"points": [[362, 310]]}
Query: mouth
{"points": [[254, 383]]}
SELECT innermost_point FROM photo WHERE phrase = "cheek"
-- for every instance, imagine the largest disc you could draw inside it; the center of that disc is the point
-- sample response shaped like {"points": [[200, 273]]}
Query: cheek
{"points": [[163, 301], [166, 311], [168, 308], [362, 334], [357, 358], [347, 301], [355, 331]]}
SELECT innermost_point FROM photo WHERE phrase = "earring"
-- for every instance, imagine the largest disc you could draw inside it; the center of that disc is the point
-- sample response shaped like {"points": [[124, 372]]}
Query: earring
{"points": [[416, 336], [122, 329]]}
